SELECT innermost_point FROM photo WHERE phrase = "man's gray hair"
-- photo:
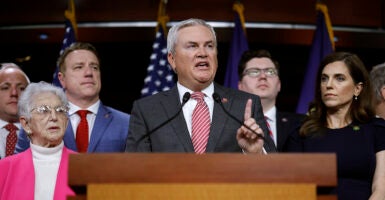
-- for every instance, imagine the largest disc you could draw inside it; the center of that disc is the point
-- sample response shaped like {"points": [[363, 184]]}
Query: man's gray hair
{"points": [[172, 36], [377, 76]]}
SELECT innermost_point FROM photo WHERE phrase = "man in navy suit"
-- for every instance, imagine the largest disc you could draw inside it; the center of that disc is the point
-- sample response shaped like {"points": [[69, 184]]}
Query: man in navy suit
{"points": [[259, 74], [159, 123], [80, 77]]}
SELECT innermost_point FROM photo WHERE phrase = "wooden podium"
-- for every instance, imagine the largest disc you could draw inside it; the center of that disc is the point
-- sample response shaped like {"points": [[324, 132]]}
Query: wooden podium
{"points": [[210, 176]]}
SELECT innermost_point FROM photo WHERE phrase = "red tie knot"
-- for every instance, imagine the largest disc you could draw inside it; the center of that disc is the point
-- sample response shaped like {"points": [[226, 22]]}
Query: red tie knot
{"points": [[82, 113], [11, 127], [198, 96]]}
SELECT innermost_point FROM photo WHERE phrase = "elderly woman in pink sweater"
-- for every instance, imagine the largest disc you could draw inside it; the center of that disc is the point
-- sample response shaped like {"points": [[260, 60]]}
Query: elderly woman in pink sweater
{"points": [[40, 172]]}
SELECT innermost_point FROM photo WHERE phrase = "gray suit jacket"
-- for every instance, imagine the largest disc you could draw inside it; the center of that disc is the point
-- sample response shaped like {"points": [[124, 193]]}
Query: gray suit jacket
{"points": [[149, 112]]}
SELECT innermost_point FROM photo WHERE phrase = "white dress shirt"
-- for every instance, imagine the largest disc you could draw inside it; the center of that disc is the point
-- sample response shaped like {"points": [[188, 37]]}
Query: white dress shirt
{"points": [[188, 108], [271, 119], [75, 118]]}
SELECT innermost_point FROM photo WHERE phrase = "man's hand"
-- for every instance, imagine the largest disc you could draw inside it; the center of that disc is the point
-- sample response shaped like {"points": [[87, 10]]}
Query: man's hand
{"points": [[247, 140]]}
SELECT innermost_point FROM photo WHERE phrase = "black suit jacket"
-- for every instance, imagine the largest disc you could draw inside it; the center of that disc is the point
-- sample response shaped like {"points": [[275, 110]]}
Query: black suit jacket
{"points": [[286, 123], [149, 112]]}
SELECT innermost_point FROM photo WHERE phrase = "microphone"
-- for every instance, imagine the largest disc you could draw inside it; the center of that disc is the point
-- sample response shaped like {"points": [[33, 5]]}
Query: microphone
{"points": [[185, 98], [217, 99]]}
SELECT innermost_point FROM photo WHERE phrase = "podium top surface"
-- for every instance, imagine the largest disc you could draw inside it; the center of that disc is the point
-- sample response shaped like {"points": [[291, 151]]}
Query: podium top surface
{"points": [[319, 168]]}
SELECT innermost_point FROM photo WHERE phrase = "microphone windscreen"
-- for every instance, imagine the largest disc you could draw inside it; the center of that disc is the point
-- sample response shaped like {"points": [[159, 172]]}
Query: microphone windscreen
{"points": [[217, 98], [186, 97]]}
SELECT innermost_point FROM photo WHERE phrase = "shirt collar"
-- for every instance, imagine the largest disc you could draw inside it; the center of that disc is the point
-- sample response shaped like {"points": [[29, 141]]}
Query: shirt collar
{"points": [[3, 123], [270, 114], [93, 108], [208, 91]]}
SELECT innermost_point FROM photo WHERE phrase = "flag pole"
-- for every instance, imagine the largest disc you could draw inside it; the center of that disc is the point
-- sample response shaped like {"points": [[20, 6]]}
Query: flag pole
{"points": [[70, 36], [162, 16], [70, 15]]}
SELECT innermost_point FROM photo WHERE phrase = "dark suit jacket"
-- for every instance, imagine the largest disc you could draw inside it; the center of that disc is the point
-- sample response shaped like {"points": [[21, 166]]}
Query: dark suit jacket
{"points": [[286, 123], [109, 133], [149, 112]]}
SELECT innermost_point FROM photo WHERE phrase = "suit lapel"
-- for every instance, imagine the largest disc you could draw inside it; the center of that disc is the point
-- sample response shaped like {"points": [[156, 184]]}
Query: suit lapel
{"points": [[171, 106], [102, 121], [61, 188], [69, 138], [286, 122], [26, 175], [218, 122], [280, 126]]}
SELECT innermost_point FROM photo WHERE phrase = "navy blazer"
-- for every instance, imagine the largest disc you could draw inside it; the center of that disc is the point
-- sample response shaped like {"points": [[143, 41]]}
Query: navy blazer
{"points": [[109, 133], [149, 112], [286, 123]]}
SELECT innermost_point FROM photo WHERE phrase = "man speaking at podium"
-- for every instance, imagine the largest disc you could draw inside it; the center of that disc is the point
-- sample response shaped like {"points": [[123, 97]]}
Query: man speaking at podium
{"points": [[197, 115]]}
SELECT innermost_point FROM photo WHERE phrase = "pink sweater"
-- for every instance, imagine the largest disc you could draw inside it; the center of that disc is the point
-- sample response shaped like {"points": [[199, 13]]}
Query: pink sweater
{"points": [[17, 177]]}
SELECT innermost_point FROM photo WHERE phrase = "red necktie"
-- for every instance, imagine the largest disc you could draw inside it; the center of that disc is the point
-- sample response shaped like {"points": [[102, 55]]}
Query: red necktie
{"points": [[11, 139], [268, 126], [200, 123], [82, 132]]}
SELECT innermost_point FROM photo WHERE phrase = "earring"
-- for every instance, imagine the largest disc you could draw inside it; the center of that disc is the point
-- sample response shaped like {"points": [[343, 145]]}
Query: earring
{"points": [[355, 97]]}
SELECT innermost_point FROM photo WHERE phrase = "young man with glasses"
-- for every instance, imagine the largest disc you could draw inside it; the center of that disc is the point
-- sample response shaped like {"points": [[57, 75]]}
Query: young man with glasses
{"points": [[259, 74]]}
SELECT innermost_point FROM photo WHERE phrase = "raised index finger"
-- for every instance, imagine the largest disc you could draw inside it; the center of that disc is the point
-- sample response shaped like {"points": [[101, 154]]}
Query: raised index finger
{"points": [[247, 114]]}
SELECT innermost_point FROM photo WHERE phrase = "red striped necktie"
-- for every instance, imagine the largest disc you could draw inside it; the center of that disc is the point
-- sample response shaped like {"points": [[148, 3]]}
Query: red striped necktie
{"points": [[268, 126], [200, 123]]}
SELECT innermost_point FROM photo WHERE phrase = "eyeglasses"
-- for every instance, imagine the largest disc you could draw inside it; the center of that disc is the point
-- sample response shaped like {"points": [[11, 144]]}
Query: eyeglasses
{"points": [[45, 110], [255, 72]]}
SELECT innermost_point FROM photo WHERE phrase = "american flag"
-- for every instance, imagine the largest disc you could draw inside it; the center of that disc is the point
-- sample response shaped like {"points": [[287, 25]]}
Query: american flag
{"points": [[69, 37], [160, 76]]}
